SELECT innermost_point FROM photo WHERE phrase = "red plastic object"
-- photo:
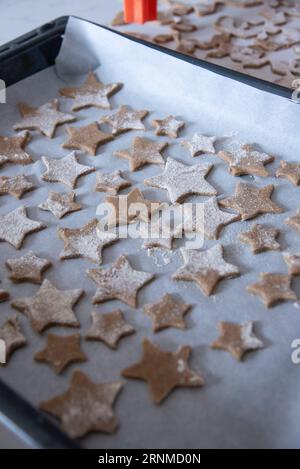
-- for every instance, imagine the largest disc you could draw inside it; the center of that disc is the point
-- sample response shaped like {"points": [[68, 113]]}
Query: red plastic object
{"points": [[140, 11]]}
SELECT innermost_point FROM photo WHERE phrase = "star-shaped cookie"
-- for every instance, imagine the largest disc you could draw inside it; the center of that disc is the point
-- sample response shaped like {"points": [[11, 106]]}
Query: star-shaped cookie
{"points": [[167, 313], [206, 268], [15, 225], [12, 149], [11, 334], [246, 160], [159, 231], [111, 182], [87, 138], [294, 221], [164, 370], [65, 170], [4, 295], [28, 268], [87, 241], [290, 171], [49, 307], [260, 238], [199, 144], [292, 260], [92, 93], [60, 203], [44, 118], [119, 282], [85, 407], [125, 119], [169, 126], [250, 201], [60, 351], [143, 151], [181, 180], [109, 328], [273, 288], [237, 339], [15, 185]]}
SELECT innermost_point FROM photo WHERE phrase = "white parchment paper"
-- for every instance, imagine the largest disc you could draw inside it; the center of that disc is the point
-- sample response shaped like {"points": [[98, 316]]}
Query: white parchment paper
{"points": [[249, 404]]}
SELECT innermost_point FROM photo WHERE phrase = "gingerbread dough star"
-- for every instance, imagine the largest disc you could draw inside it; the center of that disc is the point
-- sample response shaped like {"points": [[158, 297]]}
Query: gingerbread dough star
{"points": [[109, 328], [28, 268], [290, 171], [119, 282], [273, 288], [11, 334], [143, 151], [260, 238], [169, 126], [293, 262], [60, 203], [294, 221], [49, 307], [12, 149], [111, 182], [87, 138], [15, 226], [125, 119], [15, 185], [199, 144], [167, 313], [246, 160], [85, 407], [164, 370]]}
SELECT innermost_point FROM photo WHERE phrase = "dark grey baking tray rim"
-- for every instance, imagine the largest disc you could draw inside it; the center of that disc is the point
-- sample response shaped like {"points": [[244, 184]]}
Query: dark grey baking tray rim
{"points": [[20, 59]]}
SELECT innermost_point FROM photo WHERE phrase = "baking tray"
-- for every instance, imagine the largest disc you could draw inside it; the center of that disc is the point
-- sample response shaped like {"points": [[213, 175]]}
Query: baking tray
{"points": [[22, 58]]}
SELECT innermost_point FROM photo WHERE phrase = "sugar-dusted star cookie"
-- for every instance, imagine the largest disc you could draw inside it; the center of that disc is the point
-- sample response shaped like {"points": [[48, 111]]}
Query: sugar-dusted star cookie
{"points": [[12, 149], [169, 126], [111, 183], [65, 170], [164, 370], [49, 307], [250, 201], [92, 93], [199, 144], [15, 225], [206, 268], [60, 351], [290, 171], [246, 160], [87, 138], [85, 407], [125, 119], [119, 282], [28, 268], [181, 9], [294, 221], [292, 260], [273, 288], [109, 328], [87, 241], [143, 151], [181, 180], [260, 238], [238, 339], [44, 118], [11, 334], [207, 7], [167, 313], [60, 203], [160, 231], [15, 185]]}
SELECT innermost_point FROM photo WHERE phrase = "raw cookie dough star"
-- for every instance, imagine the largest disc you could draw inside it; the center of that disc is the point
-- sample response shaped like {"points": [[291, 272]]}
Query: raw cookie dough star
{"points": [[164, 370], [119, 282], [12, 149], [111, 182], [207, 7], [49, 307], [181, 180], [199, 144], [159, 232], [143, 151], [125, 119], [169, 126], [250, 201], [11, 334], [65, 170], [28, 268], [206, 268], [44, 118], [15, 185], [292, 260], [260, 238], [273, 288], [60, 203], [86, 242], [85, 407], [246, 160], [87, 138], [15, 225], [237, 339], [61, 351], [290, 171], [294, 221], [167, 313], [109, 328], [92, 93]]}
